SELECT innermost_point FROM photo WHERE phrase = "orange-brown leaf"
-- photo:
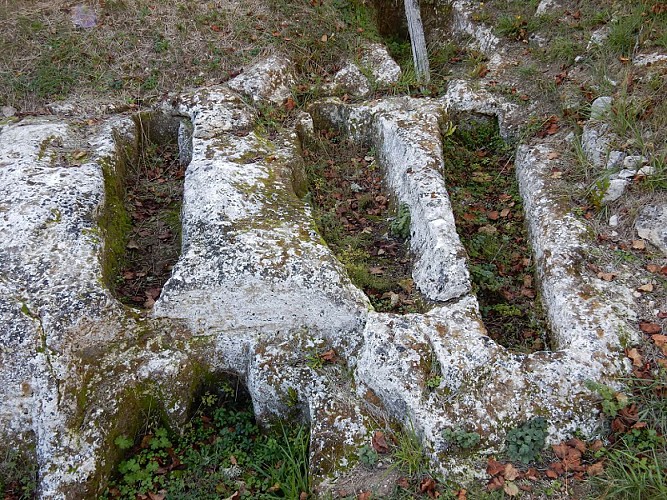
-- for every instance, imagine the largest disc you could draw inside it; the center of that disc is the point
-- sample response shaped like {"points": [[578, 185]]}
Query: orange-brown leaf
{"points": [[379, 442], [329, 356], [493, 467], [650, 328], [595, 469], [427, 485], [634, 355]]}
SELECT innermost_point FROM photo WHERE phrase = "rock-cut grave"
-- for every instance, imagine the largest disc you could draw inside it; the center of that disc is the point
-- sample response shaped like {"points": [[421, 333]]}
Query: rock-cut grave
{"points": [[256, 290]]}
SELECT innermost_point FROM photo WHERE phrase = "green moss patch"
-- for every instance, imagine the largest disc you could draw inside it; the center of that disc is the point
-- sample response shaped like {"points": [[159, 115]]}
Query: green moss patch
{"points": [[479, 171]]}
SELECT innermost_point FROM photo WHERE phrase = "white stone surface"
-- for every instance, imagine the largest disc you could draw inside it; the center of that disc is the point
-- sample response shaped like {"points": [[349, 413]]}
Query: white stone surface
{"points": [[269, 79], [601, 107], [349, 80], [382, 67], [463, 22], [615, 190], [598, 37], [651, 225], [615, 159], [547, 5], [595, 141], [255, 291], [649, 59], [633, 162]]}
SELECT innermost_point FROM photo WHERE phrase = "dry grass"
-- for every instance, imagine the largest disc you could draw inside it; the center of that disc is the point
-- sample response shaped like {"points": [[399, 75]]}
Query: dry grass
{"points": [[140, 49]]}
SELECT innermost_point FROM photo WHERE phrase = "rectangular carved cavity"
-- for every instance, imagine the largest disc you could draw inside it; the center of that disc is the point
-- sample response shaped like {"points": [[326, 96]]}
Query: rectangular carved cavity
{"points": [[141, 218], [479, 172], [364, 226]]}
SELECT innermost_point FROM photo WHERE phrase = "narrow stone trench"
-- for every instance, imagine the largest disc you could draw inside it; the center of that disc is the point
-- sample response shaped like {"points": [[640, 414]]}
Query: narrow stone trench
{"points": [[151, 197], [488, 209], [361, 222]]}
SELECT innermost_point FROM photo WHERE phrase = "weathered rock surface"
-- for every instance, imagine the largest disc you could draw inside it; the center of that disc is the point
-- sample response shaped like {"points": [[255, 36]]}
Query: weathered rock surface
{"points": [[652, 225], [256, 290], [270, 79], [382, 67], [349, 80]]}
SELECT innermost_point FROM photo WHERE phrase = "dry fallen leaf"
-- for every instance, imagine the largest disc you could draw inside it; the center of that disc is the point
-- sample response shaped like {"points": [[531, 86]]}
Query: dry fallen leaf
{"points": [[636, 358], [577, 444], [648, 287], [551, 474], [493, 467], [595, 469], [329, 356], [553, 155], [504, 212], [495, 484], [511, 473], [638, 245], [427, 485], [511, 489], [606, 276], [560, 450], [660, 340], [650, 328], [653, 268], [379, 442]]}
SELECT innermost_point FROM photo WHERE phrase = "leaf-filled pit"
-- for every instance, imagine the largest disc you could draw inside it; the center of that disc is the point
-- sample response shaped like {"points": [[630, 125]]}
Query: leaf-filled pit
{"points": [[364, 227], [151, 198], [479, 172]]}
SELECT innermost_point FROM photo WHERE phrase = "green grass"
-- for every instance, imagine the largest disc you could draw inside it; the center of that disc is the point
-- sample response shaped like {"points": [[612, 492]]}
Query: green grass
{"points": [[409, 455], [635, 462], [140, 50]]}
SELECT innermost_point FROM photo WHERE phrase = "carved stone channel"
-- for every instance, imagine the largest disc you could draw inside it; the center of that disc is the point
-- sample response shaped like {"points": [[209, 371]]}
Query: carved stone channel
{"points": [[255, 291]]}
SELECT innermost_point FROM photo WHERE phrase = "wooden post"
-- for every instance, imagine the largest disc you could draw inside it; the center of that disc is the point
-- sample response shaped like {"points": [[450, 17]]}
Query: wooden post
{"points": [[417, 40]]}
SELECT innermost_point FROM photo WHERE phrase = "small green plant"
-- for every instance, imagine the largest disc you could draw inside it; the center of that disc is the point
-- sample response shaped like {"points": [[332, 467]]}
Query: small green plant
{"points": [[18, 475], [123, 442], [434, 382], [524, 443], [460, 438], [400, 226], [632, 476], [513, 27], [292, 397], [314, 360], [612, 401], [368, 456]]}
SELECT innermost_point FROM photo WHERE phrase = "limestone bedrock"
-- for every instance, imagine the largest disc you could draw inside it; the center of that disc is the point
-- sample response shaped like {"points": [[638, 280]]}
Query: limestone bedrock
{"points": [[256, 291]]}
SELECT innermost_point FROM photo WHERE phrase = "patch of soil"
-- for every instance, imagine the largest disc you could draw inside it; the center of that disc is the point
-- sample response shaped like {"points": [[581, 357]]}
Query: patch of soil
{"points": [[153, 201], [479, 172], [353, 215]]}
